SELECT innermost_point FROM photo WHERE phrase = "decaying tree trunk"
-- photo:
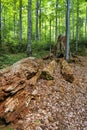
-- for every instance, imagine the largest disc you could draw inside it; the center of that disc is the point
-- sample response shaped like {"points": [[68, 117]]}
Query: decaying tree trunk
{"points": [[48, 71], [18, 85], [68, 72], [16, 82]]}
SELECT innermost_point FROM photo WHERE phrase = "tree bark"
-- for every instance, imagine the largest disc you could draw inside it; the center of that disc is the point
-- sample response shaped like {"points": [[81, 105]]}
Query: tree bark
{"points": [[40, 20], [77, 27], [56, 27], [14, 19], [50, 37], [86, 24], [20, 22], [67, 30], [29, 50], [72, 19], [4, 24], [37, 20]]}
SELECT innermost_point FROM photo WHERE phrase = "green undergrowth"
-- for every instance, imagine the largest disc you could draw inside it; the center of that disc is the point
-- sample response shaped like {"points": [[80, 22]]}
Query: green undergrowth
{"points": [[9, 59], [10, 54], [81, 48]]}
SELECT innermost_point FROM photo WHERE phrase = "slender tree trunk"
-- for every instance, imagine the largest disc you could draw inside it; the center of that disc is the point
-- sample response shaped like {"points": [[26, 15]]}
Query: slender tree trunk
{"points": [[77, 27], [40, 20], [64, 19], [3, 29], [72, 19], [45, 31], [86, 24], [37, 18], [53, 30], [20, 22], [29, 51], [56, 27], [50, 37], [4, 23], [14, 19], [0, 24], [59, 25], [67, 30]]}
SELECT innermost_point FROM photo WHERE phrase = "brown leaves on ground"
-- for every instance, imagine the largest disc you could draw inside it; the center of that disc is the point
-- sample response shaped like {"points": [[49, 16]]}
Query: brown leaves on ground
{"points": [[32, 103]]}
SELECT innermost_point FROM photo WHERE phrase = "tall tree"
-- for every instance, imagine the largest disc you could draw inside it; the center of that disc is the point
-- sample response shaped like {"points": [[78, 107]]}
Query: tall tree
{"points": [[86, 24], [20, 22], [50, 36], [40, 19], [0, 23], [67, 30], [14, 18], [4, 23], [72, 19], [59, 30], [56, 26], [37, 19], [29, 51], [45, 29], [77, 26]]}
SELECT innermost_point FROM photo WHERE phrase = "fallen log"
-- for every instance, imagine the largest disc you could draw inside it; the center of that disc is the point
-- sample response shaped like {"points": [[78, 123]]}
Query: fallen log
{"points": [[68, 72], [15, 78], [17, 86], [48, 71]]}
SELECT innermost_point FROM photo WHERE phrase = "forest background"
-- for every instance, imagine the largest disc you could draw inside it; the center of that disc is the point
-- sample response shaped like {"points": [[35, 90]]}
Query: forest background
{"points": [[36, 24]]}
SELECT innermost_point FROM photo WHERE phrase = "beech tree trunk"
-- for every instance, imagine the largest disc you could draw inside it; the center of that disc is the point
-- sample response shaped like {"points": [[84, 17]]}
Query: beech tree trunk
{"points": [[45, 29], [72, 19], [59, 30], [37, 20], [50, 37], [4, 24], [40, 20], [86, 24], [67, 30], [56, 26], [77, 27], [14, 19], [20, 22], [29, 51]]}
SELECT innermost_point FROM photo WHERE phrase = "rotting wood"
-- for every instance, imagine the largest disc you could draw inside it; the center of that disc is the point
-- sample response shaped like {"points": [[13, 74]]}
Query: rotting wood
{"points": [[48, 71], [68, 72]]}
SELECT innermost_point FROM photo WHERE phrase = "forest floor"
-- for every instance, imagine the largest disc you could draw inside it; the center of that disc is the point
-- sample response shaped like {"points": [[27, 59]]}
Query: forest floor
{"points": [[59, 105]]}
